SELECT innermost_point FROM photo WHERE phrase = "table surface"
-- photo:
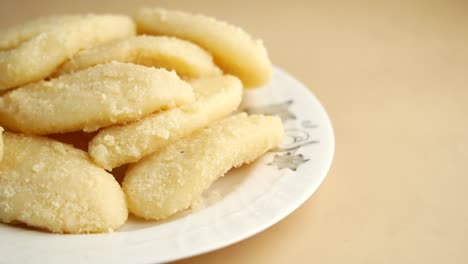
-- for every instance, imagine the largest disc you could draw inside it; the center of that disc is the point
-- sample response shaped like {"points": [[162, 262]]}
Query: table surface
{"points": [[393, 76]]}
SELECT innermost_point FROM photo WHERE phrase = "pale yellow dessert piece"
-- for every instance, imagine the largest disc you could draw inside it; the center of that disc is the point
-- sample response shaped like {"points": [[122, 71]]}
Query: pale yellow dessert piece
{"points": [[216, 97], [93, 98], [51, 185], [187, 59], [173, 178], [13, 36], [32, 53], [235, 51]]}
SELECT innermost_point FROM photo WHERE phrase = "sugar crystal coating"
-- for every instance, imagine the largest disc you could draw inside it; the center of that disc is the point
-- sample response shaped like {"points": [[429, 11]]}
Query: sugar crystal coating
{"points": [[32, 51], [216, 97], [93, 98], [173, 178], [51, 185], [234, 51]]}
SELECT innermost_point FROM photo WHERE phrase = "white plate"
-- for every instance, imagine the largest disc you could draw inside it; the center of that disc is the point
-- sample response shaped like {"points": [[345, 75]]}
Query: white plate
{"points": [[244, 202]]}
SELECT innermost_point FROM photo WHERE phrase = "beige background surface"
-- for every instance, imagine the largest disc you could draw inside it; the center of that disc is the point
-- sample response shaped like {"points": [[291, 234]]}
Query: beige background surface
{"points": [[393, 76]]}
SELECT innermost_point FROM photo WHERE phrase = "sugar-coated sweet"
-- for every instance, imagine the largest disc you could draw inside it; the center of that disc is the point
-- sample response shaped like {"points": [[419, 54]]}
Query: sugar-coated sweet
{"points": [[235, 51], [171, 179], [15, 35], [97, 97], [51, 185], [185, 58], [32, 51], [216, 97]]}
